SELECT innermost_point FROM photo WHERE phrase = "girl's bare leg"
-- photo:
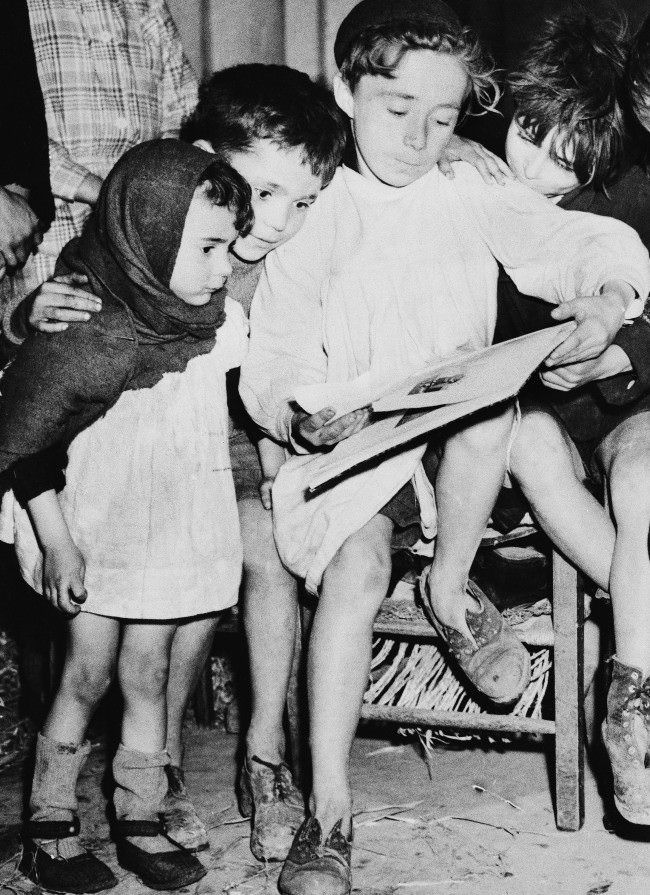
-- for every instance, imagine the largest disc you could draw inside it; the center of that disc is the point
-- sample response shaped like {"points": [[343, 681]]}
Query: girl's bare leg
{"points": [[270, 607], [354, 586], [87, 673], [625, 457]]}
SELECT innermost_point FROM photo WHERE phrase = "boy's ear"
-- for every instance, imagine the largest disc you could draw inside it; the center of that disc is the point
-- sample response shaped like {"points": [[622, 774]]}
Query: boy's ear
{"points": [[343, 96], [204, 144]]}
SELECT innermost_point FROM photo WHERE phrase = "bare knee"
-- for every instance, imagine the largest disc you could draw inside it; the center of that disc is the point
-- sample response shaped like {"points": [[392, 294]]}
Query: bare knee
{"points": [[365, 558], [629, 489], [85, 680], [540, 449], [489, 434]]}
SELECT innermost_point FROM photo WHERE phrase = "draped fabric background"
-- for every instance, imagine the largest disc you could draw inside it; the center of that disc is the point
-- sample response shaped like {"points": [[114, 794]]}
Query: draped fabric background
{"points": [[301, 32]]}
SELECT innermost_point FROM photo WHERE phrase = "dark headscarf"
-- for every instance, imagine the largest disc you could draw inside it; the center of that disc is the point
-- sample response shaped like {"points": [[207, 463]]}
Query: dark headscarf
{"points": [[129, 245], [60, 383]]}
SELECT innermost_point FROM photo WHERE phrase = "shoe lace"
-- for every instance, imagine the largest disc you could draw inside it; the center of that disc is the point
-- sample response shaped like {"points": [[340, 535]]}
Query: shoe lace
{"points": [[282, 781]]}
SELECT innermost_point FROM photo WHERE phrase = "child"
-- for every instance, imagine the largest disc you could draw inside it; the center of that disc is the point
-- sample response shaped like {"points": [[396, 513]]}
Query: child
{"points": [[393, 266], [147, 521], [285, 134], [574, 74]]}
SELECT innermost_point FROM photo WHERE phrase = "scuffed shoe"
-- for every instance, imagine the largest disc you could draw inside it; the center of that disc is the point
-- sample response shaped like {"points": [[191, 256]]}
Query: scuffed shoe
{"points": [[53, 859], [499, 664], [314, 867], [161, 870], [267, 794], [626, 735], [182, 824]]}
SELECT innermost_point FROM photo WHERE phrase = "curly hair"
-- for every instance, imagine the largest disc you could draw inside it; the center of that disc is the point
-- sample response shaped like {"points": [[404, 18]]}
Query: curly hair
{"points": [[571, 83], [379, 50], [225, 187], [248, 102]]}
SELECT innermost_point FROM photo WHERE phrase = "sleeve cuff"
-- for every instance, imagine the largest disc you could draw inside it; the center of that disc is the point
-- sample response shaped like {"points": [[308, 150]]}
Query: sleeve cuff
{"points": [[39, 473]]}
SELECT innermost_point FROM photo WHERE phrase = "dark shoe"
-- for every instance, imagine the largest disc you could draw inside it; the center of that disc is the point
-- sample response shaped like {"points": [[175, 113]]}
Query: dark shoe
{"points": [[266, 792], [164, 871], [80, 874], [499, 664], [627, 740], [314, 867], [182, 824]]}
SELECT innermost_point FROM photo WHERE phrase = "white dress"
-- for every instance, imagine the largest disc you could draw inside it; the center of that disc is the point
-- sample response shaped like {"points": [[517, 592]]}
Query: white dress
{"points": [[149, 497], [381, 280]]}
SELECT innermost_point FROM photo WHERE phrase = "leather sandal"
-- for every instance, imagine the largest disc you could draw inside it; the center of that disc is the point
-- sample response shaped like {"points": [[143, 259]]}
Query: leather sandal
{"points": [[499, 665], [163, 871], [83, 873], [317, 866]]}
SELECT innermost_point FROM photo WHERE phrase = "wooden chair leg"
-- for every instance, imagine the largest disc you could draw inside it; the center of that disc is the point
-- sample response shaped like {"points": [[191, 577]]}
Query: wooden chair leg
{"points": [[568, 619]]}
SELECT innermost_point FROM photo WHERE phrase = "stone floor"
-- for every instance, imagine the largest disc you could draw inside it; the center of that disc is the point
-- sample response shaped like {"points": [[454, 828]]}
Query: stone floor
{"points": [[483, 825]]}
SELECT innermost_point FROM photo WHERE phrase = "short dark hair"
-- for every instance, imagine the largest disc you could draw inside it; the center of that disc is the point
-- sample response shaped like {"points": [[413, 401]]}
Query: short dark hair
{"points": [[225, 187], [240, 104], [638, 67], [379, 49], [572, 79]]}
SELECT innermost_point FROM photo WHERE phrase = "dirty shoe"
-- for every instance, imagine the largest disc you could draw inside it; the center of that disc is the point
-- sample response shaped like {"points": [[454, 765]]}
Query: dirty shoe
{"points": [[182, 824], [627, 739], [314, 867], [499, 664], [266, 793]]}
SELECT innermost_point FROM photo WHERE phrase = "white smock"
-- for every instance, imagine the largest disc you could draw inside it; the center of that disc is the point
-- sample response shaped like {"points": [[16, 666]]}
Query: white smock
{"points": [[149, 496], [383, 279]]}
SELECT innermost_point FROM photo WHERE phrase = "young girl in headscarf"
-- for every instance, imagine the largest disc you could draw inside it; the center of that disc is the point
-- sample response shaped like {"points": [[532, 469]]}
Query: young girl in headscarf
{"points": [[143, 530]]}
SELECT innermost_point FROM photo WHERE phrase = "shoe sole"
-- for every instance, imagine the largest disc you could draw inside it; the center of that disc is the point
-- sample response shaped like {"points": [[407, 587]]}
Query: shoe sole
{"points": [[159, 887]]}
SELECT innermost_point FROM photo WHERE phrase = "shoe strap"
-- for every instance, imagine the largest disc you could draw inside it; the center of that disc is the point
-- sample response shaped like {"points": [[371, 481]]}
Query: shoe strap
{"points": [[52, 829], [138, 828]]}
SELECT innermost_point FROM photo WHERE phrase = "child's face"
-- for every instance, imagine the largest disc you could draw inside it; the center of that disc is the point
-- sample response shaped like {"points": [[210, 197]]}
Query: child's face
{"points": [[283, 187], [202, 264], [535, 166], [402, 124]]}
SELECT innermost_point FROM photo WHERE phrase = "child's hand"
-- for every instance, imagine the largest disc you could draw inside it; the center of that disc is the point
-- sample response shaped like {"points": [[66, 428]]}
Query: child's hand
{"points": [[598, 319], [491, 168], [62, 301], [63, 577], [612, 361], [315, 431], [266, 487]]}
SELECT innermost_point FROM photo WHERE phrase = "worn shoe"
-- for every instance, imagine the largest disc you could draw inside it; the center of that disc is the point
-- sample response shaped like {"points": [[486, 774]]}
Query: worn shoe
{"points": [[626, 733], [499, 665], [52, 870], [163, 871], [314, 867], [266, 793], [182, 824]]}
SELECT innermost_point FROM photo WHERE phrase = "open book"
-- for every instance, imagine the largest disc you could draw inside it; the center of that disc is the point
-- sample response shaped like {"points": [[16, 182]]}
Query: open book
{"points": [[425, 400]]}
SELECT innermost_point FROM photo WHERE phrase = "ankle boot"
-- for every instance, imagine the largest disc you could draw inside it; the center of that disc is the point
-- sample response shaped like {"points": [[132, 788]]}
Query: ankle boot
{"points": [[140, 788], [53, 856], [626, 733]]}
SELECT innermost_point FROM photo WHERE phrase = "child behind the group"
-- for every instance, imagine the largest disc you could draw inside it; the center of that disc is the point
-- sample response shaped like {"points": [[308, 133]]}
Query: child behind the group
{"points": [[567, 142], [144, 530], [396, 265]]}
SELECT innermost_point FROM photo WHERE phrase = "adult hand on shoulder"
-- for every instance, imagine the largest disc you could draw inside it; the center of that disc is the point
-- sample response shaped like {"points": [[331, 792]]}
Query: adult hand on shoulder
{"points": [[20, 231], [612, 361], [598, 319], [63, 577], [61, 301], [459, 149], [316, 431]]}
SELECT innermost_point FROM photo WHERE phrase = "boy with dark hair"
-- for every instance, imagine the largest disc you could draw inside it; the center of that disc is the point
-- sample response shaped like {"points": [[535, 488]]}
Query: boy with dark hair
{"points": [[566, 142], [396, 265]]}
